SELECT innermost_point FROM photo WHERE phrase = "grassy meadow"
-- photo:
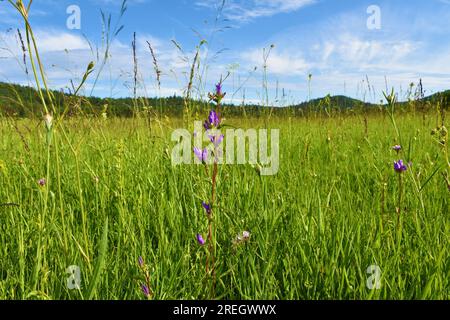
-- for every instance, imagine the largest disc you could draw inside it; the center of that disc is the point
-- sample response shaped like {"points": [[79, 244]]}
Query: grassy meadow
{"points": [[111, 195], [92, 207]]}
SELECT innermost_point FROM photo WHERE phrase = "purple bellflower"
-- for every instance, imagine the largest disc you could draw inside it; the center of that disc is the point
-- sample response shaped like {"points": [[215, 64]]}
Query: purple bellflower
{"points": [[202, 155], [145, 290], [207, 208], [200, 239], [213, 120], [216, 140], [399, 166], [218, 95]]}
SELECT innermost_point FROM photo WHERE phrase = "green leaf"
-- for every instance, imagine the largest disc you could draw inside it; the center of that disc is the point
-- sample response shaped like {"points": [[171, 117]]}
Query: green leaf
{"points": [[429, 179], [100, 262], [426, 292]]}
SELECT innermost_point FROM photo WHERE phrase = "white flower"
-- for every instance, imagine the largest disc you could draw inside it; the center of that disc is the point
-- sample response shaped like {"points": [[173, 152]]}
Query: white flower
{"points": [[48, 120], [242, 237]]}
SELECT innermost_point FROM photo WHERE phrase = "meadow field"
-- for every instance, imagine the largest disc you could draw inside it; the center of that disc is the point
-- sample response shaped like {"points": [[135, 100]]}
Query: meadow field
{"points": [[94, 203], [103, 195]]}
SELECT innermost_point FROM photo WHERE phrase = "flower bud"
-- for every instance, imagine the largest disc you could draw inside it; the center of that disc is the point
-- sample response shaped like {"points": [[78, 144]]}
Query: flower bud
{"points": [[48, 120]]}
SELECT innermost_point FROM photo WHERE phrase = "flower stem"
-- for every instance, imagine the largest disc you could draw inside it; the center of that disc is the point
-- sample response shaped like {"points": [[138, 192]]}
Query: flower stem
{"points": [[211, 247], [400, 197], [210, 269]]}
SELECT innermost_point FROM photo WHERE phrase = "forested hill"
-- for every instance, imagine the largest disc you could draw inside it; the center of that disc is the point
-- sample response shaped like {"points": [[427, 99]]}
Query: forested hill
{"points": [[24, 101]]}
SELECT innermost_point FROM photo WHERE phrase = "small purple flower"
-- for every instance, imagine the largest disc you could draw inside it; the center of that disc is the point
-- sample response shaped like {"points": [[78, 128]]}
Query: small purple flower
{"points": [[218, 95], [198, 153], [141, 262], [202, 155], [207, 208], [399, 166], [145, 290], [42, 182], [216, 140], [200, 239], [213, 118], [219, 89], [397, 148]]}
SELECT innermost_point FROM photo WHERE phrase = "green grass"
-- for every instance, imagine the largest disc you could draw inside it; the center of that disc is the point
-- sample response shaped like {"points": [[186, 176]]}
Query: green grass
{"points": [[315, 227]]}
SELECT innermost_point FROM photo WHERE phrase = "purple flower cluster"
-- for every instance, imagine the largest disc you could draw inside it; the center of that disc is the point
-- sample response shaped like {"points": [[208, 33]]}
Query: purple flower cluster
{"points": [[216, 140], [145, 290], [213, 120], [219, 89], [212, 125], [399, 166], [145, 287], [201, 155], [218, 95], [207, 208]]}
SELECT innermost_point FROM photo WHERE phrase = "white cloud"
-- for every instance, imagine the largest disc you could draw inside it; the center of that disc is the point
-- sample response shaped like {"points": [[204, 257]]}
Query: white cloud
{"points": [[65, 57], [278, 63], [60, 41], [340, 51], [357, 53], [336, 50], [246, 10], [47, 40], [117, 2], [327, 50]]}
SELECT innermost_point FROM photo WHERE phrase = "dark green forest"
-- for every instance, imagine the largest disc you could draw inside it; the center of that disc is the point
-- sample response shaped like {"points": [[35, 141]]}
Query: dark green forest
{"points": [[24, 101]]}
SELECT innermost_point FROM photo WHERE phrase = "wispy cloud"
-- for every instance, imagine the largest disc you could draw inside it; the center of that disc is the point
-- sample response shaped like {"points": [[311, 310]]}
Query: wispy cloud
{"points": [[66, 55], [118, 2], [247, 10], [335, 47], [47, 40], [278, 62], [340, 52], [352, 51]]}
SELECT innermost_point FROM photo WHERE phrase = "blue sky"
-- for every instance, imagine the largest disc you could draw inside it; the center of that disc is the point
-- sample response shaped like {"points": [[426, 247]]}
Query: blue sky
{"points": [[328, 39]]}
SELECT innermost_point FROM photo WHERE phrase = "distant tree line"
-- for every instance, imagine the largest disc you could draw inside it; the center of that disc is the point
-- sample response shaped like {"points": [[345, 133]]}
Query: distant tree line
{"points": [[23, 101]]}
